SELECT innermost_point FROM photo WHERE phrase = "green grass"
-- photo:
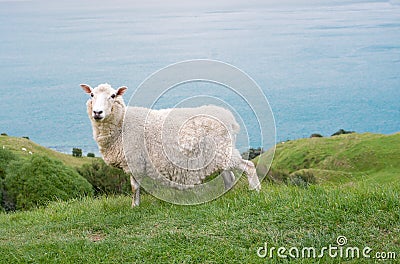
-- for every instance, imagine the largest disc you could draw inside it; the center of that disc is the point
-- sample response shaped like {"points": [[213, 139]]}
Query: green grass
{"points": [[227, 230], [344, 159], [357, 195], [16, 144]]}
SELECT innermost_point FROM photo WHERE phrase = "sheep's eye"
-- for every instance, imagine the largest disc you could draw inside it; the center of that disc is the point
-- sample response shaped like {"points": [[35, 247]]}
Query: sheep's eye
{"points": [[113, 96], [91, 94]]}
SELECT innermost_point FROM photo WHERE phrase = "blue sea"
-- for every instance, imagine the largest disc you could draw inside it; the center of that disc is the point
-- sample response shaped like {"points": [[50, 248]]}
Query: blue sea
{"points": [[323, 65]]}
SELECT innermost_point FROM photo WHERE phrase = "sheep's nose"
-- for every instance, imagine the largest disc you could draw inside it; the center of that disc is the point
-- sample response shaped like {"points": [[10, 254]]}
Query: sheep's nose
{"points": [[97, 114]]}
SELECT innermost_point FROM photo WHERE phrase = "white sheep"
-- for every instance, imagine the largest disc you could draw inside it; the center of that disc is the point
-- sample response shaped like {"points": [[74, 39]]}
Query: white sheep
{"points": [[23, 149], [180, 145]]}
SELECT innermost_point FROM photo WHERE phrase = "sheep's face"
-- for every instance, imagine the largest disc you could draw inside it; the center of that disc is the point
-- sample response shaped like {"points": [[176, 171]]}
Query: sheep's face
{"points": [[102, 99]]}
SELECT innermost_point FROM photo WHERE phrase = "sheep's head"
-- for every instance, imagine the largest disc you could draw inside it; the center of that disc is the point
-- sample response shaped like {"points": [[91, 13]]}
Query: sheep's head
{"points": [[103, 99]]}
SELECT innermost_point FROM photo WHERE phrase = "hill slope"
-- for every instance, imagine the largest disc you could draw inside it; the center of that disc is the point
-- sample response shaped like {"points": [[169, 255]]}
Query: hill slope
{"points": [[232, 228], [346, 159], [16, 144], [228, 230]]}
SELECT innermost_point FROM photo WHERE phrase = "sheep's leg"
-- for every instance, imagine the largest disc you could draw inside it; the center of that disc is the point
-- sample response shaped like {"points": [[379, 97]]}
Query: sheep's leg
{"points": [[229, 179], [250, 170], [135, 192]]}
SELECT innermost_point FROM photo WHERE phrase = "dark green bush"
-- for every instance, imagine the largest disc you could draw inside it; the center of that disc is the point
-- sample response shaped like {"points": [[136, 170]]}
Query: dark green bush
{"points": [[251, 153], [77, 152], [4, 134], [91, 155], [302, 178], [277, 176], [341, 132], [316, 135], [34, 182], [105, 179], [1, 193], [6, 157]]}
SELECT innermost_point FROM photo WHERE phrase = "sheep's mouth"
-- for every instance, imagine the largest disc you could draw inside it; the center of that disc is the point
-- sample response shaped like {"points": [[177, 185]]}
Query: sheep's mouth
{"points": [[98, 118]]}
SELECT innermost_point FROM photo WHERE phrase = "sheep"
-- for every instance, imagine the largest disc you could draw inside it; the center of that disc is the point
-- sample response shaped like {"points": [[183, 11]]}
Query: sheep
{"points": [[183, 156], [23, 149]]}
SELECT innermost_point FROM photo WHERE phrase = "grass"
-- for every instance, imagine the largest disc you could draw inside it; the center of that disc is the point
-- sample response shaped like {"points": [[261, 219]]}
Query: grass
{"points": [[227, 230], [357, 196], [344, 159], [16, 144]]}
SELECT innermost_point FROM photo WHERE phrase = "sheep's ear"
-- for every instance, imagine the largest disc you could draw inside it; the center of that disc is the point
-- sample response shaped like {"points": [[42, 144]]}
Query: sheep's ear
{"points": [[121, 90], [87, 88]]}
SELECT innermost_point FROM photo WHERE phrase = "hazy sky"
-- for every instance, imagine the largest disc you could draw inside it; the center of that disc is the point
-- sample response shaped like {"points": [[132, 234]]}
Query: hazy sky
{"points": [[198, 4]]}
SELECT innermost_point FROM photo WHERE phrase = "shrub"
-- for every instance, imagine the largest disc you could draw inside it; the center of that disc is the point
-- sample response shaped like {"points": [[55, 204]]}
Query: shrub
{"points": [[4, 134], [1, 193], [6, 157], [77, 152], [302, 178], [316, 135], [277, 176], [251, 153], [34, 182], [105, 179], [341, 132], [91, 155]]}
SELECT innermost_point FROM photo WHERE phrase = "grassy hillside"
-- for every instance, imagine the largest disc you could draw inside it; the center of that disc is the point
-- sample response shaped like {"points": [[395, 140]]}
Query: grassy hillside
{"points": [[358, 197], [16, 144], [344, 159], [227, 230]]}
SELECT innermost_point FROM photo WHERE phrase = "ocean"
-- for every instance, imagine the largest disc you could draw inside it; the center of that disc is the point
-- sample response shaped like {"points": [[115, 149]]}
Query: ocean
{"points": [[322, 65]]}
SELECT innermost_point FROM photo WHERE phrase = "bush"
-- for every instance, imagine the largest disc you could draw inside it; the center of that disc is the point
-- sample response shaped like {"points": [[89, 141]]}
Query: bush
{"points": [[341, 132], [91, 155], [1, 193], [4, 134], [277, 176], [77, 152], [302, 178], [251, 153], [6, 157], [26, 138], [35, 182], [316, 135], [105, 179]]}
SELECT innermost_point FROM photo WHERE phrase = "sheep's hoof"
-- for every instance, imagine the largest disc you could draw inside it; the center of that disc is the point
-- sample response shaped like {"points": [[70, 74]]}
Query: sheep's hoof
{"points": [[135, 202], [257, 188], [229, 179]]}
